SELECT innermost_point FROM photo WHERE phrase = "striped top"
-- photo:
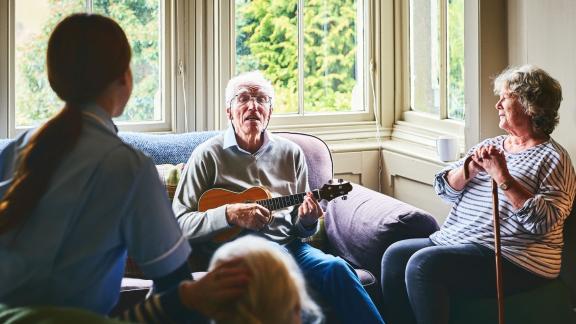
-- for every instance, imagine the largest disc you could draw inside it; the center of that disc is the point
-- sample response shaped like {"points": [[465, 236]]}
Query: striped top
{"points": [[162, 309], [531, 236]]}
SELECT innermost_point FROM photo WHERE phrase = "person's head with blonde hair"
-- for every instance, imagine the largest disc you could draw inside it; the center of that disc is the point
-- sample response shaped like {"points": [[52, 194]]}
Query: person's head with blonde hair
{"points": [[276, 292]]}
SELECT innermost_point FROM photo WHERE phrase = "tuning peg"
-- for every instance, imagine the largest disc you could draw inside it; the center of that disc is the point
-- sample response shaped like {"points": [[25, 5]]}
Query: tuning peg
{"points": [[330, 181], [340, 180], [344, 197]]}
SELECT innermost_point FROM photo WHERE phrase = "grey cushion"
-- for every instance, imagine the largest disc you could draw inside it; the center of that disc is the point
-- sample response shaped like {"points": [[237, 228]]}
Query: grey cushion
{"points": [[362, 227]]}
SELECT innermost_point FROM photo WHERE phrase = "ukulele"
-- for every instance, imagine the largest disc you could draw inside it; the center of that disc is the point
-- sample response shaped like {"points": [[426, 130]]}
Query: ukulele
{"points": [[218, 197]]}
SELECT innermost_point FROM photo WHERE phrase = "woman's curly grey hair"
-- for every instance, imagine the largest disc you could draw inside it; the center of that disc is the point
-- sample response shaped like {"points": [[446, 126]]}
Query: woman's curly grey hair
{"points": [[538, 92]]}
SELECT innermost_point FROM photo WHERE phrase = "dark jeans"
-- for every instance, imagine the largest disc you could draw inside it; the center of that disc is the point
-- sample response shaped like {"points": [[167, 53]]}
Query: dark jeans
{"points": [[419, 278], [337, 282]]}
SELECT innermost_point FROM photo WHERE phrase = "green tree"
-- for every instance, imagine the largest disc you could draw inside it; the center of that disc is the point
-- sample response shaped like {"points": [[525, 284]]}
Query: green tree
{"points": [[267, 39], [456, 59], [35, 101]]}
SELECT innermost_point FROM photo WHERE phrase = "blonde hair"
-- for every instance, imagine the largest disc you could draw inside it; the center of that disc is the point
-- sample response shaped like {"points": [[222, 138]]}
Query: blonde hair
{"points": [[277, 290]]}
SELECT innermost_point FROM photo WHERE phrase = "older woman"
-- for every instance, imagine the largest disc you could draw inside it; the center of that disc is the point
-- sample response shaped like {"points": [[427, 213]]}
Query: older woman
{"points": [[537, 185]]}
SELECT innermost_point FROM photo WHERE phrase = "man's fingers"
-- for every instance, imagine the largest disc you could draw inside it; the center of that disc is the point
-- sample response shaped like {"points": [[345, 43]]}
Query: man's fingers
{"points": [[313, 203], [304, 208], [262, 209]]}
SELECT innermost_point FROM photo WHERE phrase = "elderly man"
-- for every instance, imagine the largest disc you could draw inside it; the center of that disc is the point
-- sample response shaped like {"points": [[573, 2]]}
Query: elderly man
{"points": [[246, 155]]}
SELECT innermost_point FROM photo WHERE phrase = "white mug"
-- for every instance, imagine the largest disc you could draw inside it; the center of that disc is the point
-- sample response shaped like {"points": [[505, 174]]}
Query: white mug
{"points": [[447, 148]]}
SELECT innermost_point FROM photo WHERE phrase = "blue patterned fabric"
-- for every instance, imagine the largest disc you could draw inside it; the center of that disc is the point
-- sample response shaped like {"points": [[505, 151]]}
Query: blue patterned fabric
{"points": [[4, 142], [167, 148]]}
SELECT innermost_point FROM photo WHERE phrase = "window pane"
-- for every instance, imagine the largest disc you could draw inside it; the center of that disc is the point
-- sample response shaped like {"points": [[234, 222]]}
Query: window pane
{"points": [[34, 99], [456, 59], [267, 40], [425, 55], [333, 56], [35, 19], [141, 21]]}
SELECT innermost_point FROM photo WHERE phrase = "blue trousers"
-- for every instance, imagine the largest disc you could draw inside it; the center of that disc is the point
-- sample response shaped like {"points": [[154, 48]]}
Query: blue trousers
{"points": [[419, 277], [335, 280]]}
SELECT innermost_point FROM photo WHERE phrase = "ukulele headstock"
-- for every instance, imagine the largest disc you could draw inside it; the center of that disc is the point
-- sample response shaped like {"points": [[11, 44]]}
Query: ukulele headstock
{"points": [[335, 188]]}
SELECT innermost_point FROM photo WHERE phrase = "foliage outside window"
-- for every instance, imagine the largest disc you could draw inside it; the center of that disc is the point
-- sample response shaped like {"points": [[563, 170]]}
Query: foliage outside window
{"points": [[437, 57], [311, 50], [34, 20]]}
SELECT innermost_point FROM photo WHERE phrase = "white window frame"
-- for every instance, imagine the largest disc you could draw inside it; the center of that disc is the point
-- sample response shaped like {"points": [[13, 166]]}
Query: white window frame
{"points": [[7, 91], [415, 126], [4, 59], [330, 124]]}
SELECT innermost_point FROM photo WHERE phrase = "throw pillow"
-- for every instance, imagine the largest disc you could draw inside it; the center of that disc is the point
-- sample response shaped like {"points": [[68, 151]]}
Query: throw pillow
{"points": [[169, 176], [362, 227]]}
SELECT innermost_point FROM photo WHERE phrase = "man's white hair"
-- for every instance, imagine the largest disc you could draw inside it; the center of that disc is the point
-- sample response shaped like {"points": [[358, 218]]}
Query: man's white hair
{"points": [[248, 79]]}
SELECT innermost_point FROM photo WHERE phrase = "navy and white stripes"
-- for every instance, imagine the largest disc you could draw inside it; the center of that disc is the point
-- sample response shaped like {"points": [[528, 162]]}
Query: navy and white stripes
{"points": [[532, 235]]}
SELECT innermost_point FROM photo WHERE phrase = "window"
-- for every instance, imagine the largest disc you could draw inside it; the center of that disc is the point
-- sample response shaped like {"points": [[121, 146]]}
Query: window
{"points": [[320, 56], [314, 53], [144, 23], [436, 42]]}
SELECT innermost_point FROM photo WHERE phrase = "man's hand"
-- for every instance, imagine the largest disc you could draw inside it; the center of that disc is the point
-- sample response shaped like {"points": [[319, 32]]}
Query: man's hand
{"points": [[213, 294], [309, 211], [251, 216]]}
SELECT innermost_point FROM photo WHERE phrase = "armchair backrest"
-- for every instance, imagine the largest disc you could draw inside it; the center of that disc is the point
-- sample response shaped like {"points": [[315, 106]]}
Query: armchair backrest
{"points": [[318, 157]]}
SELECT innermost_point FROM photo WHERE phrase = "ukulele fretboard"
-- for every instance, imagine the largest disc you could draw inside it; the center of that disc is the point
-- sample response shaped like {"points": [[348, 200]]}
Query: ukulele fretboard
{"points": [[285, 201]]}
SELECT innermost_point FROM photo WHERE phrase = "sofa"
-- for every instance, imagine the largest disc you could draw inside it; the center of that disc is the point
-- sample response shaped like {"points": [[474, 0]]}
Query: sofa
{"points": [[360, 228]]}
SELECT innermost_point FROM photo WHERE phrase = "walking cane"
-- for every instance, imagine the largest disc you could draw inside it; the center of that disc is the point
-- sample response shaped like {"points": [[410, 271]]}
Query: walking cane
{"points": [[498, 256]]}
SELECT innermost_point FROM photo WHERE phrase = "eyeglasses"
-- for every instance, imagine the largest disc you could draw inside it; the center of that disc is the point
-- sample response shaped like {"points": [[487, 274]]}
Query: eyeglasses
{"points": [[244, 97]]}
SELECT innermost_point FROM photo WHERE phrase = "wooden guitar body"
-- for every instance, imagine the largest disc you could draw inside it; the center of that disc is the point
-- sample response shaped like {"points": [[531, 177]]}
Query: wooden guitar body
{"points": [[217, 197]]}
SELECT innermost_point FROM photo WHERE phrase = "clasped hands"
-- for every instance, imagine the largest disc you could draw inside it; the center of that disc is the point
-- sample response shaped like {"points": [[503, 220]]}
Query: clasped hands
{"points": [[256, 217], [491, 160]]}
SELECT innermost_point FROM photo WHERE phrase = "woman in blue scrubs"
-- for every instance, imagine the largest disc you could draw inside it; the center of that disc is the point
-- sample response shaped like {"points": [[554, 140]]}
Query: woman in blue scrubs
{"points": [[75, 199]]}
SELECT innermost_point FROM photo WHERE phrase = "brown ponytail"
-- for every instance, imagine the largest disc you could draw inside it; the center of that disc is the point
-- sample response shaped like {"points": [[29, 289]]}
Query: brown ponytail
{"points": [[86, 53]]}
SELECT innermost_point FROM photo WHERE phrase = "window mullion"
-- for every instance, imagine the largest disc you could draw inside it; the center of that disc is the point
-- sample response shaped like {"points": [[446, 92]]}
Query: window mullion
{"points": [[89, 6], [6, 67], [300, 57], [443, 59]]}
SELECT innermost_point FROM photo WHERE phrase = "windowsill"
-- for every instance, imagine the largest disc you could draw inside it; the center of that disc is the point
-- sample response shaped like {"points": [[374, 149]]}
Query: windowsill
{"points": [[413, 150], [332, 133], [408, 149]]}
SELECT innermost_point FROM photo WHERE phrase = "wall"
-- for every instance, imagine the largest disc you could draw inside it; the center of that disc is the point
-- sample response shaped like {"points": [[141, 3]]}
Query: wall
{"points": [[542, 33], [405, 172]]}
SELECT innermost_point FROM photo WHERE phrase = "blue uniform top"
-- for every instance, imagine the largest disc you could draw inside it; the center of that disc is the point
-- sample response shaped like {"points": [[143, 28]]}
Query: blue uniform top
{"points": [[104, 199]]}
